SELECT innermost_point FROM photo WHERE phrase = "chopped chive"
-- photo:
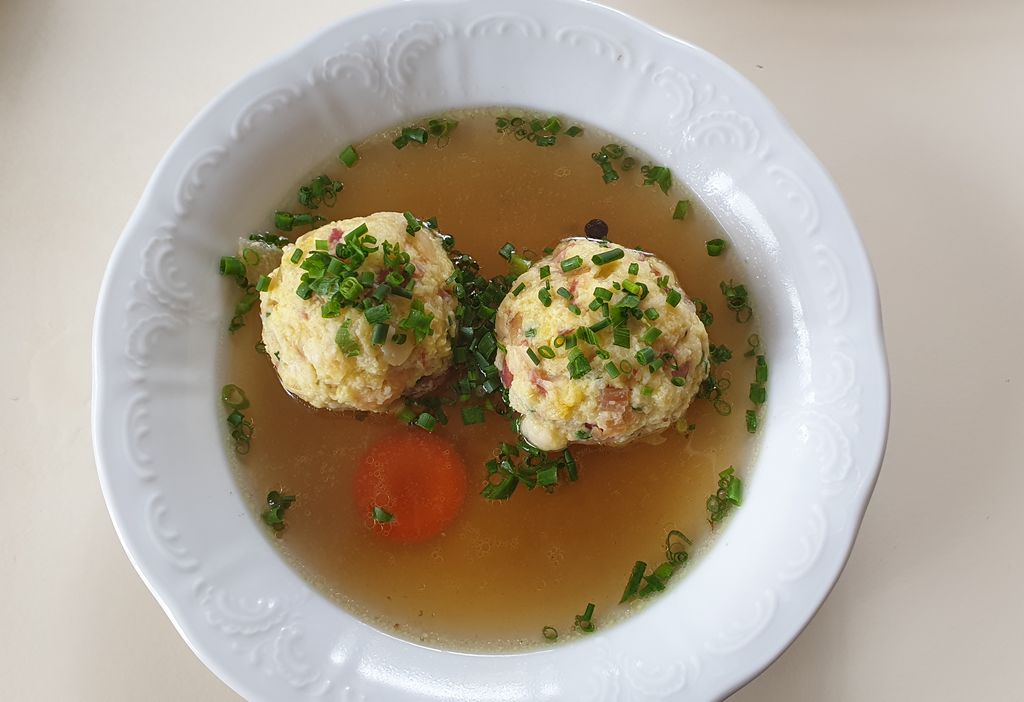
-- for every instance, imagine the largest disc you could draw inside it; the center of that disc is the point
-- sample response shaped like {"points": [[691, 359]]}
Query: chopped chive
{"points": [[603, 294], [604, 257], [506, 251], [612, 370], [278, 504], [673, 297], [399, 339], [349, 156], [650, 335], [426, 421], [679, 381], [571, 264], [575, 309], [322, 245], [751, 421], [657, 175], [758, 394], [546, 352], [519, 289], [719, 354], [578, 364], [533, 356], [378, 313], [562, 292], [646, 391], [417, 134], [682, 207], [574, 131], [545, 271], [263, 284], [602, 324], [645, 355], [346, 342], [296, 255], [634, 268], [716, 247], [570, 466], [380, 334], [547, 476], [544, 295], [651, 314], [620, 336], [761, 371], [382, 516], [631, 287], [473, 415], [233, 266], [584, 622], [530, 333], [587, 334], [413, 225], [629, 301], [633, 584]]}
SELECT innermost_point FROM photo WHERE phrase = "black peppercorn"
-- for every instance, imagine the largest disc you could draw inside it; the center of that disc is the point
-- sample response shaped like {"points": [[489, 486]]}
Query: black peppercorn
{"points": [[596, 229]]}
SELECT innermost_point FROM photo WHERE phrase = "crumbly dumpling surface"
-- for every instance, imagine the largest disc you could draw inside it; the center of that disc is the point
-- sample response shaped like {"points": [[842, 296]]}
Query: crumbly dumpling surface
{"points": [[598, 408], [302, 343]]}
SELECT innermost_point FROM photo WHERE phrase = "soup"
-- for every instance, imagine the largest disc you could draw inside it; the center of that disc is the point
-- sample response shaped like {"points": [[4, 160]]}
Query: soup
{"points": [[519, 572]]}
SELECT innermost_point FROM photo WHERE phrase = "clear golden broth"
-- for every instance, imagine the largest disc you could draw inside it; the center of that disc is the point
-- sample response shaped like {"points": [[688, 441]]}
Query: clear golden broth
{"points": [[504, 570]]}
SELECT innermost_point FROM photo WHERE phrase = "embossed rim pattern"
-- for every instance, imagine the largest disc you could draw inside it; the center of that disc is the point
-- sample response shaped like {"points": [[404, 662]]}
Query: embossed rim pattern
{"points": [[158, 334]]}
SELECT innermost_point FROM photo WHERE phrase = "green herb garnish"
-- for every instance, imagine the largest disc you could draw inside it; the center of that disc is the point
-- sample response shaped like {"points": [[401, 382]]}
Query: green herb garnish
{"points": [[322, 190], [277, 504], [657, 175], [347, 343], [751, 421], [728, 495], [716, 247], [271, 239], [754, 342], [349, 156], [718, 354], [571, 264], [473, 415], [286, 221], [382, 516], [682, 208], [584, 622], [737, 300], [703, 313], [607, 257]]}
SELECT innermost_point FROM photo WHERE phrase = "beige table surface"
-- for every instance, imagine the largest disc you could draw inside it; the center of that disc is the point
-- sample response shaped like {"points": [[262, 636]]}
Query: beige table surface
{"points": [[916, 108]]}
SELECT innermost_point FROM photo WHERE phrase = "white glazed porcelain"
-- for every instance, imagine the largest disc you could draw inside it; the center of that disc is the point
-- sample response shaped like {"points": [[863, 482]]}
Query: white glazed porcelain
{"points": [[159, 333]]}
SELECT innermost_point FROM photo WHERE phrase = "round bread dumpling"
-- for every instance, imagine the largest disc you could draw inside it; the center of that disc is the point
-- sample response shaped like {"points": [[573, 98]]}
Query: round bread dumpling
{"points": [[602, 346], [360, 312]]}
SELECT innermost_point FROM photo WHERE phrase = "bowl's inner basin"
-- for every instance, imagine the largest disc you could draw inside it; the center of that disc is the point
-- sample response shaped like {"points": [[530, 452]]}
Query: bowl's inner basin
{"points": [[505, 569]]}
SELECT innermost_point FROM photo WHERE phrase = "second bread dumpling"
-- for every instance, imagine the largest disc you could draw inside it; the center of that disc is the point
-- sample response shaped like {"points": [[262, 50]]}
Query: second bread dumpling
{"points": [[601, 346]]}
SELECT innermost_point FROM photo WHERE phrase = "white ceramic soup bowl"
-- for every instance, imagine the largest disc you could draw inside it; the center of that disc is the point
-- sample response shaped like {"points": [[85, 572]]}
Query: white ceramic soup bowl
{"points": [[159, 352]]}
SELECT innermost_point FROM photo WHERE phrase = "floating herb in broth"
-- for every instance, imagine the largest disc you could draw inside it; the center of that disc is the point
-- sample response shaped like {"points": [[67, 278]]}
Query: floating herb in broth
{"points": [[535, 533]]}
